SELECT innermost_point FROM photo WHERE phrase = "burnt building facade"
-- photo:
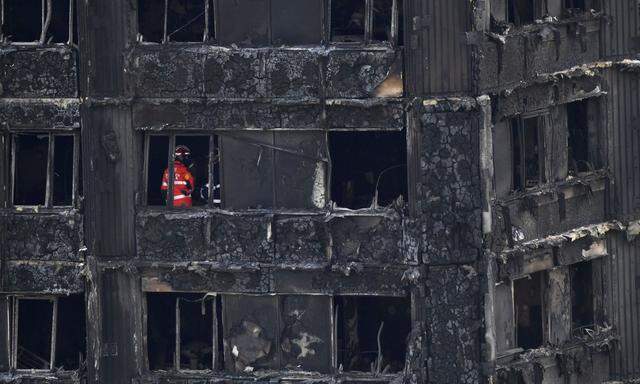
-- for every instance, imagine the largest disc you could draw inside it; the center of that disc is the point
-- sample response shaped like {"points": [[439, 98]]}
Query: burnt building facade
{"points": [[384, 191]]}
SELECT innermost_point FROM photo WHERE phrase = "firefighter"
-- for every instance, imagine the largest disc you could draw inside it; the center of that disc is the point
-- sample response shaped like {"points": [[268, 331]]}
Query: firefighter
{"points": [[184, 182]]}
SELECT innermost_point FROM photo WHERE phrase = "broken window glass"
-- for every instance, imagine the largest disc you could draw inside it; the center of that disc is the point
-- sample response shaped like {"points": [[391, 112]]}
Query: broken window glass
{"points": [[181, 331], [250, 332], [195, 172], [521, 11], [296, 22], [70, 333], [278, 169], [291, 332], [245, 22], [578, 141], [348, 20], [368, 168], [582, 314], [305, 324], [528, 303], [41, 177], [30, 169], [528, 154], [372, 333]]}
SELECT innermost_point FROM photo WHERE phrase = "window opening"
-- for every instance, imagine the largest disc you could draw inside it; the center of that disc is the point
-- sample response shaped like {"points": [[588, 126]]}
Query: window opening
{"points": [[70, 333], [348, 20], [174, 20], [59, 26], [42, 21], [398, 17], [161, 331], [296, 22], [382, 20], [182, 331], [528, 301], [151, 20], [575, 5], [158, 147], [186, 20], [578, 141], [30, 167], [582, 313], [22, 20], [368, 168], [528, 154], [32, 334], [245, 23], [43, 169], [63, 170], [34, 321], [195, 173], [372, 333], [521, 11], [196, 332]]}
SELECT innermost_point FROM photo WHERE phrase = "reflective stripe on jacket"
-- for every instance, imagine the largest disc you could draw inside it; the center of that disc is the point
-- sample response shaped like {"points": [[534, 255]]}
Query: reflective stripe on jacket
{"points": [[183, 184]]}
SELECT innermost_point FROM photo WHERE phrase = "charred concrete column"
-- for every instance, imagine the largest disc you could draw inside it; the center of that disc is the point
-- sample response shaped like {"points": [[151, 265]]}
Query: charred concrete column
{"points": [[450, 210], [109, 176]]}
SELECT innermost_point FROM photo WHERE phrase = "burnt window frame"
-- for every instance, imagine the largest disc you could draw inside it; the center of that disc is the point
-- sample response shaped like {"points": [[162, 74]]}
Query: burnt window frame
{"points": [[368, 25], [573, 271], [208, 34], [375, 199], [335, 323], [46, 14], [543, 124], [13, 316], [49, 192], [214, 153], [595, 139], [211, 32], [220, 330], [544, 310], [538, 10], [177, 319], [12, 303]]}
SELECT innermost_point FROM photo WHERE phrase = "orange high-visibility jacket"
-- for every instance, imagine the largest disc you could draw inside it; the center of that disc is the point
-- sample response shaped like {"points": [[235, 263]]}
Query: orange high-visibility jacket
{"points": [[183, 184]]}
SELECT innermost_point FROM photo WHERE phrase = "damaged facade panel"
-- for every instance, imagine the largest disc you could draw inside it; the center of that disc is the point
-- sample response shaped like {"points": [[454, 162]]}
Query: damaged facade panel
{"points": [[445, 23], [32, 114], [523, 55], [451, 210], [255, 73], [55, 67], [279, 239], [52, 237]]}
